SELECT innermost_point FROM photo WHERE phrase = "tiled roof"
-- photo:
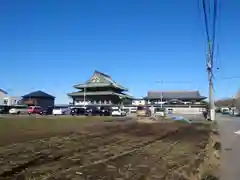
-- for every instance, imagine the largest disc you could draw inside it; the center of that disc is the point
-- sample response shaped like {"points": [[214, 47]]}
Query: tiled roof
{"points": [[4, 92], [38, 94], [100, 79], [97, 93], [174, 95]]}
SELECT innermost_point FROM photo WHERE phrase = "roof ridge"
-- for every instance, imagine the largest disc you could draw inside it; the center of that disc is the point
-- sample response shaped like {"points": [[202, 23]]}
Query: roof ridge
{"points": [[99, 72], [176, 91], [5, 92]]}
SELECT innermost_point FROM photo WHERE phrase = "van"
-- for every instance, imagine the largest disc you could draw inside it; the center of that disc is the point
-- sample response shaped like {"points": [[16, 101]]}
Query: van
{"points": [[143, 111], [19, 109], [61, 110]]}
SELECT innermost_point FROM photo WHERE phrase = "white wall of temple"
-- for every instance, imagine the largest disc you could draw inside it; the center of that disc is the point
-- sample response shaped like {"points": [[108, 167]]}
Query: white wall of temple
{"points": [[164, 102], [81, 102], [186, 110], [138, 102]]}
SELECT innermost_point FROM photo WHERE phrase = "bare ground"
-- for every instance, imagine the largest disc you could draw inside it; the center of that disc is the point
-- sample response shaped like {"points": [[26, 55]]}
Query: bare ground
{"points": [[107, 151]]}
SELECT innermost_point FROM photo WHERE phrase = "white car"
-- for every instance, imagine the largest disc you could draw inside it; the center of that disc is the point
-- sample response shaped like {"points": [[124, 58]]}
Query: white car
{"points": [[61, 111], [118, 112], [19, 110]]}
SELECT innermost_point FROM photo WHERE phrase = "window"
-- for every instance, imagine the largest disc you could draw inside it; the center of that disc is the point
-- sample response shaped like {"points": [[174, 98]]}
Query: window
{"points": [[5, 102]]}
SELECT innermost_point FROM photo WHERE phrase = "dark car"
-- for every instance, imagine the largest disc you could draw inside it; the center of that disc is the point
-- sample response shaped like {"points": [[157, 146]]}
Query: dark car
{"points": [[5, 109], [92, 111], [76, 111], [105, 111], [46, 111], [1, 110]]}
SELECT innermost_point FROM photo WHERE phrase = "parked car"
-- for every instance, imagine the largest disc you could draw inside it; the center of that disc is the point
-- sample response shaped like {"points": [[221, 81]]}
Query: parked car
{"points": [[105, 111], [143, 111], [34, 110], [225, 111], [92, 111], [61, 110], [117, 111], [47, 111], [76, 111], [160, 111], [19, 109], [1, 110], [133, 110]]}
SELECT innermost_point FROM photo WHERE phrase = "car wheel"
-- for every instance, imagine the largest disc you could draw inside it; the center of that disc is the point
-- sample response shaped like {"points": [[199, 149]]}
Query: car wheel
{"points": [[18, 112]]}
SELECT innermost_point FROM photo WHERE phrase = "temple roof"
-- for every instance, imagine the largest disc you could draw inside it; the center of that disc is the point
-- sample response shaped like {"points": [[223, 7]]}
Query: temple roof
{"points": [[99, 79], [97, 93], [38, 94], [191, 95]]}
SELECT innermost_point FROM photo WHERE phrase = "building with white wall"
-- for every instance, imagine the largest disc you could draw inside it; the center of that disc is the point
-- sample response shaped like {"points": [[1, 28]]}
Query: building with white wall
{"points": [[7, 100]]}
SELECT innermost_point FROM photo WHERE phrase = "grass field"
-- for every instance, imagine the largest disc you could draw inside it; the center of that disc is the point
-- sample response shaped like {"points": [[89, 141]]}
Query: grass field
{"points": [[90, 148]]}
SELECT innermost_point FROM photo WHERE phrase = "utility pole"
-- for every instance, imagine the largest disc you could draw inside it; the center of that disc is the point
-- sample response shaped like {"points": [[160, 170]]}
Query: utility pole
{"points": [[161, 95], [84, 96], [210, 81]]}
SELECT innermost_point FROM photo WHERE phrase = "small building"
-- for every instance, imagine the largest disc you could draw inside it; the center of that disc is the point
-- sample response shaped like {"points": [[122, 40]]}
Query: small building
{"points": [[138, 102], [100, 89], [8, 100], [38, 98]]}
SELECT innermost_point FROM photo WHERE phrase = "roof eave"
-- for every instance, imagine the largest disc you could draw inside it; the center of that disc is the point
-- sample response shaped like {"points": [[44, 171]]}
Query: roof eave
{"points": [[195, 98]]}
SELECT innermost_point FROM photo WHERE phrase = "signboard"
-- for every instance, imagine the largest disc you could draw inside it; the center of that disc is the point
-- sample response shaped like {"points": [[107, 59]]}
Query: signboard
{"points": [[95, 79]]}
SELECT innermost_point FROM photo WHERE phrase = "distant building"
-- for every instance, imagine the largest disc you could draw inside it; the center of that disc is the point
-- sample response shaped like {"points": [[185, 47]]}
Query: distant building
{"points": [[177, 102], [7, 100], [174, 97], [100, 89], [38, 98], [139, 102]]}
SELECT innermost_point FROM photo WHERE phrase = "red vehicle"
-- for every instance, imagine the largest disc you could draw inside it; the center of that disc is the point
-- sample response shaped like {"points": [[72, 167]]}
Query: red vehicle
{"points": [[34, 110]]}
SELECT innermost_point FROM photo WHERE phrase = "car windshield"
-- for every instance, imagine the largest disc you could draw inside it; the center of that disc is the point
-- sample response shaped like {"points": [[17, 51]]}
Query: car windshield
{"points": [[140, 108], [160, 110], [20, 107], [60, 107]]}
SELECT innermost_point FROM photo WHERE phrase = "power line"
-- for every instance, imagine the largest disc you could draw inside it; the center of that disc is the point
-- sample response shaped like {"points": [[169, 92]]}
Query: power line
{"points": [[206, 19], [210, 27]]}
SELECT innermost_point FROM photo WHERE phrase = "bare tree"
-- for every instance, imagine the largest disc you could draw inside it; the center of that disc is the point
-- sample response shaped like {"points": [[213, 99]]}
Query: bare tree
{"points": [[229, 102], [237, 100]]}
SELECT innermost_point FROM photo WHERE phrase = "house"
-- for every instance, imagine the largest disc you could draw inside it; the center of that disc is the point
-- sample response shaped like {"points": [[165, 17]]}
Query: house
{"points": [[100, 89], [7, 100], [38, 98]]}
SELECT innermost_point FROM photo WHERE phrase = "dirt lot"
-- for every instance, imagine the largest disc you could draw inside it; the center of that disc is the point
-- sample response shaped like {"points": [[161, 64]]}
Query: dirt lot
{"points": [[123, 150]]}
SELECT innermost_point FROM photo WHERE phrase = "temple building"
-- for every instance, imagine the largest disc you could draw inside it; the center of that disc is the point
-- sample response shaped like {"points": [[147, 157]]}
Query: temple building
{"points": [[174, 97], [100, 89]]}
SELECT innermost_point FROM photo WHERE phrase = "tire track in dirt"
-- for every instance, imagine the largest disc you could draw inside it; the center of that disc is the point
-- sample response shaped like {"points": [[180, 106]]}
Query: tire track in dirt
{"points": [[99, 164], [98, 169], [129, 140], [45, 158], [92, 141]]}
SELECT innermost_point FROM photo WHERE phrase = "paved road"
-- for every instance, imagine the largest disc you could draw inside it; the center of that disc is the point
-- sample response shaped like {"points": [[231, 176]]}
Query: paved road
{"points": [[230, 157]]}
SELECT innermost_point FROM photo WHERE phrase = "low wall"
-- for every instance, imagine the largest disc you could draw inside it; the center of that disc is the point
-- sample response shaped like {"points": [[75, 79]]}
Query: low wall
{"points": [[185, 110]]}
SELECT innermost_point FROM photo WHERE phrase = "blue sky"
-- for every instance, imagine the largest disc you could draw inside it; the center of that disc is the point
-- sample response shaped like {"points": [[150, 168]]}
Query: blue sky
{"points": [[53, 44]]}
